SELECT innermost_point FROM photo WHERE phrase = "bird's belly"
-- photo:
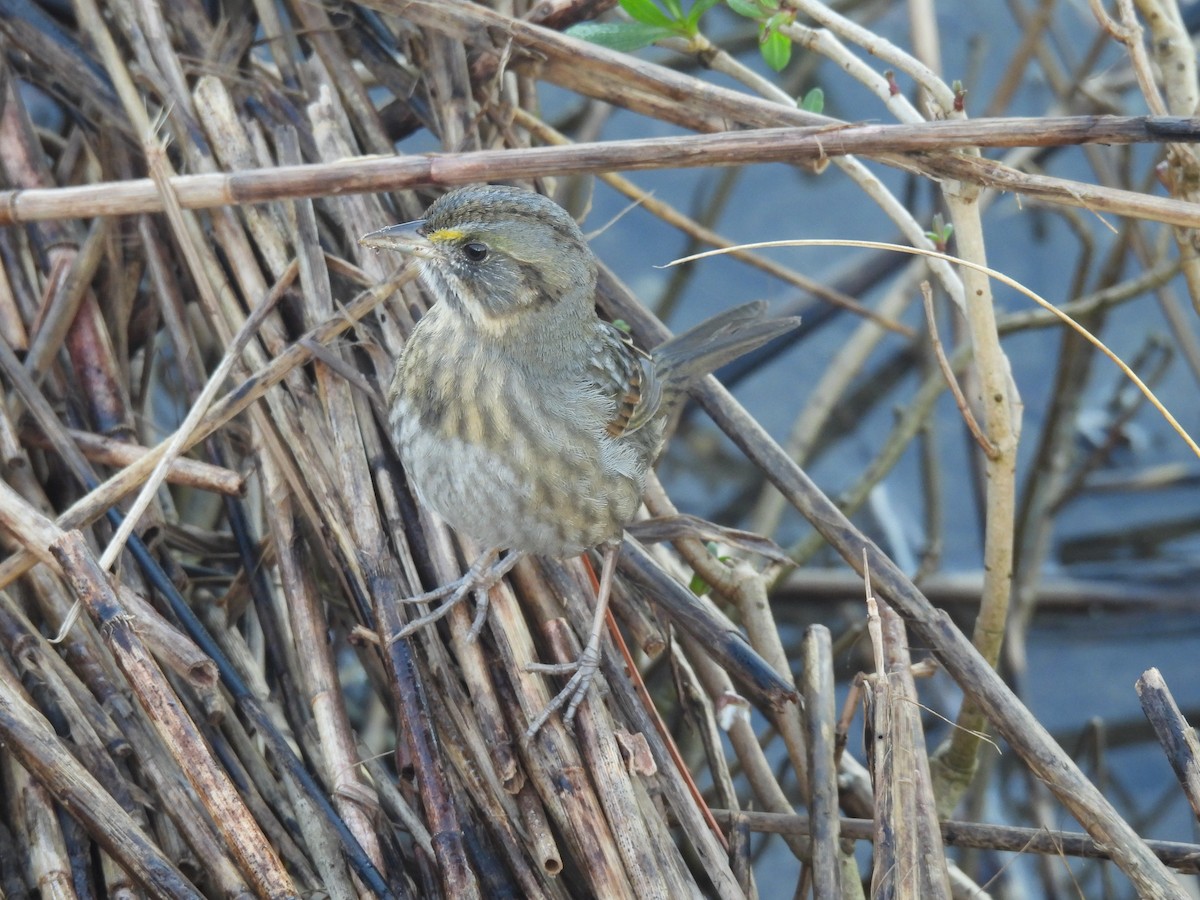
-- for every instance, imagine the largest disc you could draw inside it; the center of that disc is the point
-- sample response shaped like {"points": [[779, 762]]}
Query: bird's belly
{"points": [[517, 489]]}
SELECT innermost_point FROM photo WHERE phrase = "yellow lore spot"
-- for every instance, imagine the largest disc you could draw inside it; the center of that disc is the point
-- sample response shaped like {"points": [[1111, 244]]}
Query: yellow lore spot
{"points": [[445, 234]]}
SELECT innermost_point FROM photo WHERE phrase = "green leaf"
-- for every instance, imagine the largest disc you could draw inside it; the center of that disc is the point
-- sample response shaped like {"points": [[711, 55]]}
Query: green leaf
{"points": [[941, 232], [780, 18], [776, 50], [814, 101], [698, 585], [676, 10], [699, 8], [646, 12], [748, 8], [623, 36]]}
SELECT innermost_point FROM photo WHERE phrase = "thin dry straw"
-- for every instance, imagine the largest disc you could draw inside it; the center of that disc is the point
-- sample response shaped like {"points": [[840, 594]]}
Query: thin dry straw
{"points": [[999, 276]]}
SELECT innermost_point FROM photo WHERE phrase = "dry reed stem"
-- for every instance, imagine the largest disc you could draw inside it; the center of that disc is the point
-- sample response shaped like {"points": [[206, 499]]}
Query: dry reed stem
{"points": [[818, 696], [760, 144], [41, 754], [825, 395], [972, 672], [186, 472], [909, 858], [1005, 838], [211, 783], [1178, 738]]}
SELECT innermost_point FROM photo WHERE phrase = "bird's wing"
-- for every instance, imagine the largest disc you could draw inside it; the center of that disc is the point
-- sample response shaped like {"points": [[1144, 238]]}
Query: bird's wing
{"points": [[626, 374]]}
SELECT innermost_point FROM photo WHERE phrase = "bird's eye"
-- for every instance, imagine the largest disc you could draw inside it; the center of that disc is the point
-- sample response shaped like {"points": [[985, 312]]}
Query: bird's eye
{"points": [[475, 251]]}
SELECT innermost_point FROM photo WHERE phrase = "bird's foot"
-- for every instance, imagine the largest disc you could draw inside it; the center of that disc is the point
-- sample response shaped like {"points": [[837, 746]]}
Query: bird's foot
{"points": [[583, 671], [483, 574]]}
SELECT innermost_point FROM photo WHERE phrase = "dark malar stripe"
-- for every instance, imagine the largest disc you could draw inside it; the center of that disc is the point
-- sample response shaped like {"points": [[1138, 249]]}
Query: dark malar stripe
{"points": [[532, 275]]}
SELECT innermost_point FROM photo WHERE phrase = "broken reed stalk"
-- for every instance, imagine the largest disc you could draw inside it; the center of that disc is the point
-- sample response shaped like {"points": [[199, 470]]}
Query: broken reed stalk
{"points": [[211, 782], [909, 858]]}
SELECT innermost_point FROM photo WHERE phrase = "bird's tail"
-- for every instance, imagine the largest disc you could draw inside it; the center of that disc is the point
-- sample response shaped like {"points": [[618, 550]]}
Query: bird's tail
{"points": [[686, 358]]}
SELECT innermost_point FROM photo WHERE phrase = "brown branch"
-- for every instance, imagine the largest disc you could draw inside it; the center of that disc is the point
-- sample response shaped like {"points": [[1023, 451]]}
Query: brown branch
{"points": [[951, 379], [1010, 838], [110, 452], [377, 174], [1178, 738], [260, 863]]}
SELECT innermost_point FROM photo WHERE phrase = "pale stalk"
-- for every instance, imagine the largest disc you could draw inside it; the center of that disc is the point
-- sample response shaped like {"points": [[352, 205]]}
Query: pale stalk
{"points": [[953, 764]]}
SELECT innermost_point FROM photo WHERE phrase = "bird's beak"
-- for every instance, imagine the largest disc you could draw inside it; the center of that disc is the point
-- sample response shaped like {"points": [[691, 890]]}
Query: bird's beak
{"points": [[406, 238]]}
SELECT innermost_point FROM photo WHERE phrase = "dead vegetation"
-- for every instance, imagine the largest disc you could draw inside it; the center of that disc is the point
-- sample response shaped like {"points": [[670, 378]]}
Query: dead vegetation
{"points": [[230, 715]]}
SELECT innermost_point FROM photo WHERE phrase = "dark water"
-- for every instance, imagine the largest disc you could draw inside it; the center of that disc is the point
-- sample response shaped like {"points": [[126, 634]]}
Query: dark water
{"points": [[1081, 665]]}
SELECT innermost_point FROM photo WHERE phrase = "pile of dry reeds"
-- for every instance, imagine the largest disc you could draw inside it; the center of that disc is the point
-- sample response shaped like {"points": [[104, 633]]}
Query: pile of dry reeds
{"points": [[229, 715]]}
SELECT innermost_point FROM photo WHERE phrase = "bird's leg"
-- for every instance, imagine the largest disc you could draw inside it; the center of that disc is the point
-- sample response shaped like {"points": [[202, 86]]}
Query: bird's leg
{"points": [[588, 664], [479, 578]]}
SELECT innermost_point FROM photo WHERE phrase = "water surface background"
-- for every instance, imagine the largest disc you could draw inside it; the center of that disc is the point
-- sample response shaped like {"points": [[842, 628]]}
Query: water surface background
{"points": [[1142, 543]]}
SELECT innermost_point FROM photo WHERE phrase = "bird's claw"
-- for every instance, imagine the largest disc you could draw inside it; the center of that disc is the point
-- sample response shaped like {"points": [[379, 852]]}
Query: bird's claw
{"points": [[584, 670], [480, 578]]}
